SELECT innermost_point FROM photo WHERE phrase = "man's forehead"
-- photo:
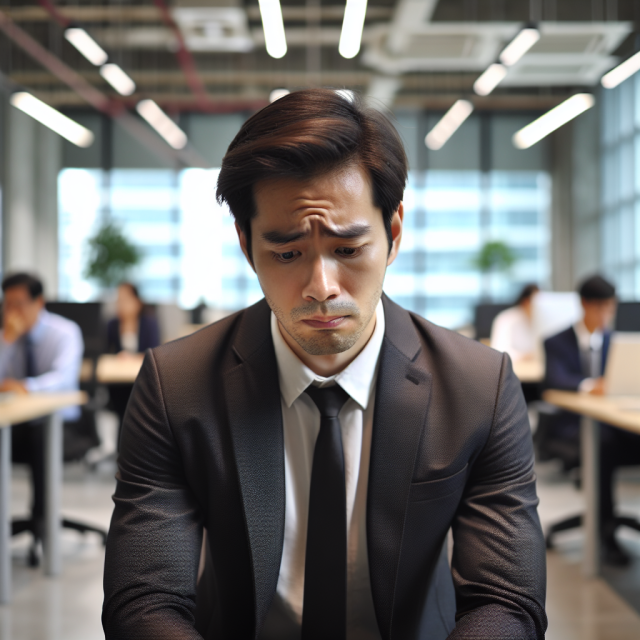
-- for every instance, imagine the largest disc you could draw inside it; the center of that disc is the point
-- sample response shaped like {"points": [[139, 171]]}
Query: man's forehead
{"points": [[346, 183]]}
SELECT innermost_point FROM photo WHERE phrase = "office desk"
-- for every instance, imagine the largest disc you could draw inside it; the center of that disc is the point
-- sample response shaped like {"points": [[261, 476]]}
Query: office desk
{"points": [[113, 369], [593, 409], [531, 371], [14, 411]]}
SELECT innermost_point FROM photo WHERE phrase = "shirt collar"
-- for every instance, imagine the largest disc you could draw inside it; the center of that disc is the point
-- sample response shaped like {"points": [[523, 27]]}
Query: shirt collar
{"points": [[587, 340], [358, 379], [38, 328]]}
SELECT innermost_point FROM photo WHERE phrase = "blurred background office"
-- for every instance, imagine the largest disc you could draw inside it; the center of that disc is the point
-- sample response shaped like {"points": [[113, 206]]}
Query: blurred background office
{"points": [[521, 120]]}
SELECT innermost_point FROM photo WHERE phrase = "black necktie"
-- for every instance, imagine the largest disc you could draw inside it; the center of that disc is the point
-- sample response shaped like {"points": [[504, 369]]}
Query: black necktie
{"points": [[324, 611], [29, 362]]}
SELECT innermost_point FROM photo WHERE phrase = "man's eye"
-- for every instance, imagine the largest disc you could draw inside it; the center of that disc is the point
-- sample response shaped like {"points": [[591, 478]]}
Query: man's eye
{"points": [[348, 251], [287, 256]]}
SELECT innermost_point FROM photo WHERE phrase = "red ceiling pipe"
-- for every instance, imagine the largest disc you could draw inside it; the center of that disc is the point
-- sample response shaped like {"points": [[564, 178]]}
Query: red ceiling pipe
{"points": [[187, 63], [62, 20]]}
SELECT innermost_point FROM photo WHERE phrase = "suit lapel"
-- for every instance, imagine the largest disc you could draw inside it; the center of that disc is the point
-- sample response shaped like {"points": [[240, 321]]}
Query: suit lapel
{"points": [[252, 394], [402, 399]]}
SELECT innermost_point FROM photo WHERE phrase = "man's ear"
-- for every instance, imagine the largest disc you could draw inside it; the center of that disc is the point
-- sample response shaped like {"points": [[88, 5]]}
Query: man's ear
{"points": [[396, 233], [40, 301], [244, 245]]}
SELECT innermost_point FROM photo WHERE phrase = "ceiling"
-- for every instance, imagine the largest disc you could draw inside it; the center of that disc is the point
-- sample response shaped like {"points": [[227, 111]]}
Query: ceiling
{"points": [[415, 53]]}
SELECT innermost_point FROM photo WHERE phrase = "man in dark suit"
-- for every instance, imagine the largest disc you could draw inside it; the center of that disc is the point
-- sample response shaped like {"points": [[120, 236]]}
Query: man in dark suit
{"points": [[575, 361], [325, 438]]}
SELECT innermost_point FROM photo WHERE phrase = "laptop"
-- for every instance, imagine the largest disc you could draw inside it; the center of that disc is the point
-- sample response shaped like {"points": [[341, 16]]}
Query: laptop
{"points": [[622, 374]]}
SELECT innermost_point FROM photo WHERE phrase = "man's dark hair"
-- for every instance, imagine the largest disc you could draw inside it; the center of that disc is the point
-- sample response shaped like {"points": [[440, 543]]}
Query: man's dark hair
{"points": [[32, 284], [527, 291], [307, 134], [596, 288]]}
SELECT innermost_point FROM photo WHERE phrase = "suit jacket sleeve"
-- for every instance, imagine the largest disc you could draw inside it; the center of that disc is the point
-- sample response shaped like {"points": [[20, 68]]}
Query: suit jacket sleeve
{"points": [[498, 561], [561, 359], [154, 542]]}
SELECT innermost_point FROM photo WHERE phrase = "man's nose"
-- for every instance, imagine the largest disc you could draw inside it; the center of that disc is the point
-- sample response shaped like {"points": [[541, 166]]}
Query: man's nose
{"points": [[322, 283]]}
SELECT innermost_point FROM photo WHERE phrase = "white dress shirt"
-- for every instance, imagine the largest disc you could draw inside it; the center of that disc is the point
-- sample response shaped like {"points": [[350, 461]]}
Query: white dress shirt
{"points": [[512, 332], [590, 345], [57, 356], [301, 423]]}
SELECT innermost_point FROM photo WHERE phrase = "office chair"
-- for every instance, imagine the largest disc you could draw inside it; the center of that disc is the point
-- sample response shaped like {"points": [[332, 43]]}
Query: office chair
{"points": [[549, 447]]}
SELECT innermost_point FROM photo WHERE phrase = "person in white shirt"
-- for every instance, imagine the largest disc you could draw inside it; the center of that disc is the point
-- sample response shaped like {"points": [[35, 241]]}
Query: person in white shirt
{"points": [[512, 330]]}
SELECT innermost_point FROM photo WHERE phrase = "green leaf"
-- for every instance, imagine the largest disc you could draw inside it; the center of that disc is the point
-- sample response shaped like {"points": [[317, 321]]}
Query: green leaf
{"points": [[111, 256], [494, 256]]}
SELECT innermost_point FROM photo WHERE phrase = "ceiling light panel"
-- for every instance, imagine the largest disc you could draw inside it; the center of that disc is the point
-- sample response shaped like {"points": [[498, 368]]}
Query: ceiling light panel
{"points": [[352, 25], [162, 123], [519, 46], [118, 79], [490, 79], [622, 72], [448, 124], [50, 117], [552, 120], [273, 27], [86, 45]]}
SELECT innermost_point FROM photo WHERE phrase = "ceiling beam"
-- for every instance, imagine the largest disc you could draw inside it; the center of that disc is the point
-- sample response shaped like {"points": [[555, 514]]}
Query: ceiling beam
{"points": [[123, 13]]}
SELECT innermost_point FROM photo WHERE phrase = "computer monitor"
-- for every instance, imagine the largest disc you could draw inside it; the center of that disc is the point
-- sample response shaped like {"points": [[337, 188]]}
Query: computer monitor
{"points": [[628, 317], [485, 314], [88, 315], [623, 365]]}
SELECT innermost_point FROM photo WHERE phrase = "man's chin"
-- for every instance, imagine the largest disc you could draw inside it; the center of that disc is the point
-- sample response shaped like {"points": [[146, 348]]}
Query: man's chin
{"points": [[326, 343]]}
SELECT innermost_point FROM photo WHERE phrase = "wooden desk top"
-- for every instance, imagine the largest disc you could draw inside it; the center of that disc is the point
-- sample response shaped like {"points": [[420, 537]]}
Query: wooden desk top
{"points": [[603, 408], [21, 408], [118, 369], [529, 370]]}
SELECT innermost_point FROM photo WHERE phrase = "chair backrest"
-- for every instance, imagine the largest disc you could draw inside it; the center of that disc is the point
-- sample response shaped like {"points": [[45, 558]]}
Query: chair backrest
{"points": [[88, 316], [628, 317], [484, 316]]}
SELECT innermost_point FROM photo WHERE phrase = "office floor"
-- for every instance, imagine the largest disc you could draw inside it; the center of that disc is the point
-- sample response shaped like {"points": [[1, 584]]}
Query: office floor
{"points": [[68, 608]]}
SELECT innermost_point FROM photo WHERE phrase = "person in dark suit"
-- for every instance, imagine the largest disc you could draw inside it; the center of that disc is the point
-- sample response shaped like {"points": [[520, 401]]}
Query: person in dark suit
{"points": [[575, 361], [292, 471], [131, 332]]}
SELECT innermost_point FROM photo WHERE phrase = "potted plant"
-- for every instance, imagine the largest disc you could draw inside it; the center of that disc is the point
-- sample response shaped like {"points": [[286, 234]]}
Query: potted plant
{"points": [[111, 256], [494, 257]]}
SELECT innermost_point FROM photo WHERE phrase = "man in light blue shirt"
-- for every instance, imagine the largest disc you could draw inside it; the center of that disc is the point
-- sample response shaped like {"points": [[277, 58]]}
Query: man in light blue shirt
{"points": [[39, 351]]}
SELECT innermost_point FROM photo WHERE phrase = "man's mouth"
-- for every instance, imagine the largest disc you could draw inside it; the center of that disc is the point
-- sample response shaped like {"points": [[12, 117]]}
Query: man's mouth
{"points": [[327, 322]]}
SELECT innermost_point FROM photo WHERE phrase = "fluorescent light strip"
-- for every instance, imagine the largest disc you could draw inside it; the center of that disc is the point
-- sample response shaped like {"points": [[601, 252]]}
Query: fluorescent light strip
{"points": [[448, 124], [50, 117], [162, 123], [273, 27], [118, 79], [86, 45], [519, 46], [352, 25], [552, 120], [490, 79], [621, 72]]}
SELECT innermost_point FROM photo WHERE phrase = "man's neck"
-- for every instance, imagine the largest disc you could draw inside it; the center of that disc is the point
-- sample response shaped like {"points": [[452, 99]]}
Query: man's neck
{"points": [[330, 365]]}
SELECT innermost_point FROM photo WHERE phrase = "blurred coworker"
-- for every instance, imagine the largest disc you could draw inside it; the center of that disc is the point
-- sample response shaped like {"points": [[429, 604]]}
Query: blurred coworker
{"points": [[131, 332], [575, 361], [512, 329], [39, 351]]}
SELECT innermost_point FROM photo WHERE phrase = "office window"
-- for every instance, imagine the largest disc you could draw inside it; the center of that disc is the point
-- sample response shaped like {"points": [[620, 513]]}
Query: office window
{"points": [[620, 219], [449, 215], [188, 242], [191, 253]]}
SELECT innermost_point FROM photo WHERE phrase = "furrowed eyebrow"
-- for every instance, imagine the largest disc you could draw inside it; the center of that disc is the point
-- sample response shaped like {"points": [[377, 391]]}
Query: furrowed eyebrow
{"points": [[346, 233]]}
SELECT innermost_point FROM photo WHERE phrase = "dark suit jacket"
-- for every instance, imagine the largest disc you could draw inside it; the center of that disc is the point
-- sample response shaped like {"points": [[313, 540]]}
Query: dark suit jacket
{"points": [[202, 445], [564, 371], [148, 334]]}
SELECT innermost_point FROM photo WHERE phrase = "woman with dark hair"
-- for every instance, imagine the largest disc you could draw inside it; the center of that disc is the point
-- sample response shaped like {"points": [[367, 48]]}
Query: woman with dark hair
{"points": [[130, 333], [512, 330], [132, 330]]}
